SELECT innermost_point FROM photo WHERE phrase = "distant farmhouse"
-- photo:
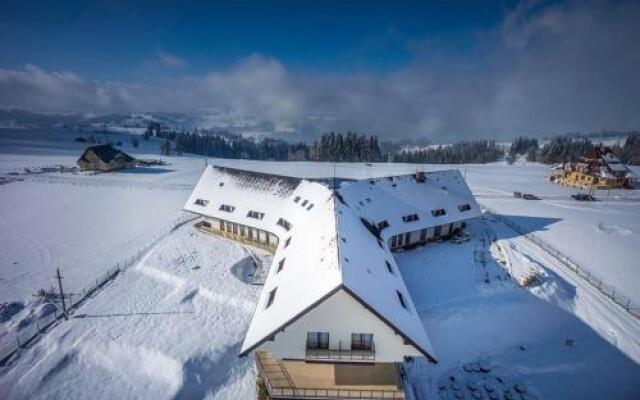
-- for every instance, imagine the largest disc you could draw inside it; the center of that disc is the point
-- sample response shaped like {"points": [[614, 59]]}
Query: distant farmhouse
{"points": [[335, 319], [104, 158], [600, 169]]}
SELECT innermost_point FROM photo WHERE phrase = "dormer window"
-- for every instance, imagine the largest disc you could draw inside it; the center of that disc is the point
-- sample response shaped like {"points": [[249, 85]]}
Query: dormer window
{"points": [[382, 224], [255, 214], [226, 208], [410, 218], [284, 223], [403, 302], [464, 207], [271, 298], [201, 202], [280, 265], [438, 212]]}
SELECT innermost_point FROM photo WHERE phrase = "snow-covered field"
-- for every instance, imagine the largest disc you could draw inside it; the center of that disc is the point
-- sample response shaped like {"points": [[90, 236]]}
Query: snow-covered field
{"points": [[170, 326]]}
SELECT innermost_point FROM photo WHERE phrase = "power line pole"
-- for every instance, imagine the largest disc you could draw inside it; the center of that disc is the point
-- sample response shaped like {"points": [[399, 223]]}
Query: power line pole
{"points": [[64, 307]]}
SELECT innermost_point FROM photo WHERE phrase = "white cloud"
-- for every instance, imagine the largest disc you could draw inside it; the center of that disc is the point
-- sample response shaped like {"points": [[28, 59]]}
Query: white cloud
{"points": [[170, 60], [546, 69]]}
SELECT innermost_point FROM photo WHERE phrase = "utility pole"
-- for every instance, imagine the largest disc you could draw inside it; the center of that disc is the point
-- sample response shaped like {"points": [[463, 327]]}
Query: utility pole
{"points": [[64, 307]]}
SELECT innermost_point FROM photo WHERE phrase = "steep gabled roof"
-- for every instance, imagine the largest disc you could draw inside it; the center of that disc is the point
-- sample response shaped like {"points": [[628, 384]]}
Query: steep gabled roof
{"points": [[106, 153], [328, 247]]}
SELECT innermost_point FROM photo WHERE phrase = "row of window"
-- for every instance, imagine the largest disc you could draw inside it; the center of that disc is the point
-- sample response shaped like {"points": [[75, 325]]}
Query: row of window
{"points": [[305, 203], [405, 238], [251, 214], [252, 234], [359, 341]]}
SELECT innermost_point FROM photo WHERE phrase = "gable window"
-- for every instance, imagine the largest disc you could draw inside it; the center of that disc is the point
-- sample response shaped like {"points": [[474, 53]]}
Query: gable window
{"points": [[284, 223], [280, 265], [438, 212], [318, 340], [287, 242], [464, 207], [388, 266], [271, 298], [383, 224], [362, 341], [410, 218], [226, 208], [255, 214], [403, 302], [201, 202]]}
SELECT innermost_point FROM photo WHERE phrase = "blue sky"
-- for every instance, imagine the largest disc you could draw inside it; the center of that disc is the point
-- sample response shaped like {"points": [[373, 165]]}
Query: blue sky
{"points": [[442, 70], [121, 40]]}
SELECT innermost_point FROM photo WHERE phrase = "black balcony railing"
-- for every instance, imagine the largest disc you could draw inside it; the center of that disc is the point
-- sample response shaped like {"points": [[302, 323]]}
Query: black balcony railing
{"points": [[342, 355]]}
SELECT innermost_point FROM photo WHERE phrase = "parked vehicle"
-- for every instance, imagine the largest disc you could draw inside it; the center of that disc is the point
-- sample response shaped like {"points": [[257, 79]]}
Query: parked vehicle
{"points": [[583, 197], [529, 196]]}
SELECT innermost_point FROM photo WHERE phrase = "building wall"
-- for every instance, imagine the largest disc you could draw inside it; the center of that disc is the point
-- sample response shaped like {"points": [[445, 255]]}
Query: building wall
{"points": [[94, 163], [241, 233], [582, 180], [424, 235], [340, 315]]}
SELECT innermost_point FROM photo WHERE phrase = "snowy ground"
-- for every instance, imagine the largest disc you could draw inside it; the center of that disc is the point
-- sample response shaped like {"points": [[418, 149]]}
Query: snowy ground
{"points": [[169, 328], [131, 336]]}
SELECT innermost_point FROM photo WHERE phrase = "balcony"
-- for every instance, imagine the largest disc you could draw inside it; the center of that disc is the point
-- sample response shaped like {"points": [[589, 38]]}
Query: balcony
{"points": [[332, 355], [290, 379]]}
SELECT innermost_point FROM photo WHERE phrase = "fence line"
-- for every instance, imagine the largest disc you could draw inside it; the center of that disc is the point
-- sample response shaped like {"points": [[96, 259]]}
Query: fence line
{"points": [[27, 335], [106, 182], [599, 284]]}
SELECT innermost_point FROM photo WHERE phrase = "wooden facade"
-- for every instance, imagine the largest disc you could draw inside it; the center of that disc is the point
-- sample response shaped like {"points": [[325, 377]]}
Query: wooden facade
{"points": [[104, 158]]}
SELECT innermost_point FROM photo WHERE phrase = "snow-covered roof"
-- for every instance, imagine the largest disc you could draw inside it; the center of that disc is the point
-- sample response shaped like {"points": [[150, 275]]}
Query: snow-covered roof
{"points": [[331, 248]]}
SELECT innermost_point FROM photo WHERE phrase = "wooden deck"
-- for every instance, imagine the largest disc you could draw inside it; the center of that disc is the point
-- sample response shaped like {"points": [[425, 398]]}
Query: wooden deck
{"points": [[290, 379]]}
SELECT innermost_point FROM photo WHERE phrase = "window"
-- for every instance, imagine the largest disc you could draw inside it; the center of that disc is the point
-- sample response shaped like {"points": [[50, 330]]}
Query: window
{"points": [[464, 207], [304, 203], [297, 199], [362, 341], [221, 184], [407, 238], [437, 230], [226, 208], [410, 218], [403, 303], [287, 242], [243, 232], [423, 235], [438, 212], [222, 225], [382, 225], [400, 239], [394, 241], [284, 223], [310, 207], [318, 340], [255, 214], [206, 224], [272, 297], [280, 265], [201, 202], [388, 266]]}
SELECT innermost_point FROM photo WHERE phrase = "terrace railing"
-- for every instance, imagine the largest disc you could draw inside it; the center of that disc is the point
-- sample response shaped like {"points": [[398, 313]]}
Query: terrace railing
{"points": [[342, 355]]}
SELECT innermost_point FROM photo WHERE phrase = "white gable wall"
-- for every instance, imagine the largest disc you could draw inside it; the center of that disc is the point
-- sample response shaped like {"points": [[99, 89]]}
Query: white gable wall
{"points": [[340, 315]]}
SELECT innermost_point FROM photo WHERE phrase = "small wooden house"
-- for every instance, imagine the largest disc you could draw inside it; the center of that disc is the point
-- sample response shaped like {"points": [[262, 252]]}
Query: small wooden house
{"points": [[104, 158]]}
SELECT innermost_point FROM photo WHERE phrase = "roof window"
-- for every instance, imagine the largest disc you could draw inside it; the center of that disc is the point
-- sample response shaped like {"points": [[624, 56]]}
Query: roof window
{"points": [[410, 218], [287, 242], [388, 266], [255, 214], [403, 303], [304, 203], [272, 297], [310, 207], [201, 202], [438, 212], [226, 208], [297, 199], [280, 265], [382, 224], [284, 223], [464, 207]]}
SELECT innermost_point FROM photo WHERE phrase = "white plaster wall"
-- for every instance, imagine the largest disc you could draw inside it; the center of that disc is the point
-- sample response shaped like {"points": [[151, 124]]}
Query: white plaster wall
{"points": [[340, 315]]}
